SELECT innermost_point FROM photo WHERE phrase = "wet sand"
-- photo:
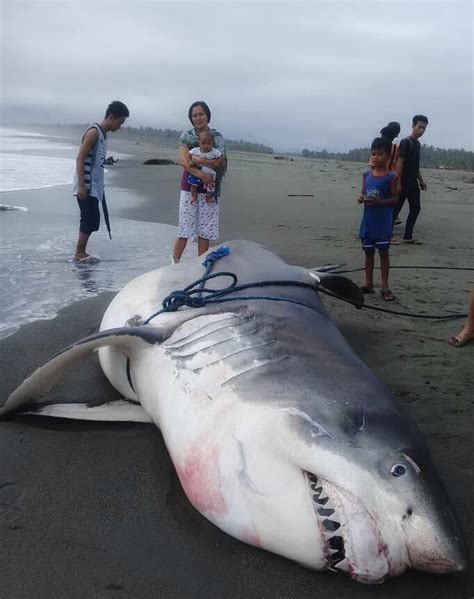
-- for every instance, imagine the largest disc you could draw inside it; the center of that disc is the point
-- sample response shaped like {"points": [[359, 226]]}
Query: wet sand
{"points": [[96, 510]]}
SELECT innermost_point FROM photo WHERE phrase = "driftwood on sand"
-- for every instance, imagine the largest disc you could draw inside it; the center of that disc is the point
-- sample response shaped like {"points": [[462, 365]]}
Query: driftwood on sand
{"points": [[160, 161]]}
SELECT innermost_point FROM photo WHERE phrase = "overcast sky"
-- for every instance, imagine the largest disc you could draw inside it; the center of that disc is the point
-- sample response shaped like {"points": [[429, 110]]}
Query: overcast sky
{"points": [[293, 75]]}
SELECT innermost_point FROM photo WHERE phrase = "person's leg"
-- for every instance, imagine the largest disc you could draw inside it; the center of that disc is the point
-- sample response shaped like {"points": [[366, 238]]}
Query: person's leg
{"points": [[208, 223], [178, 248], [415, 207], [186, 224], [385, 268], [203, 245], [401, 200], [467, 332], [90, 222], [369, 269], [81, 245]]}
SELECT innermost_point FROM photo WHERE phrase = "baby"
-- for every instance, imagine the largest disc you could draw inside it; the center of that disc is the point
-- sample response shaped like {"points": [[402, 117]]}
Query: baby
{"points": [[208, 152]]}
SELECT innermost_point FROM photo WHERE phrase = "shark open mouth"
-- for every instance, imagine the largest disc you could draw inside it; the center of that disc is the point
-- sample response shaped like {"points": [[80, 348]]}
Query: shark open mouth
{"points": [[327, 516], [357, 550]]}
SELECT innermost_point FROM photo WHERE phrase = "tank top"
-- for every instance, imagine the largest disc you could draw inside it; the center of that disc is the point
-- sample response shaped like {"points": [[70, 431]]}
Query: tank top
{"points": [[94, 165]]}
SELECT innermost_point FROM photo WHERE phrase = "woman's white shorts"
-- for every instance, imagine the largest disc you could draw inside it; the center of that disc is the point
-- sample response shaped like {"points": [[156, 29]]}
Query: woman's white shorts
{"points": [[199, 219]]}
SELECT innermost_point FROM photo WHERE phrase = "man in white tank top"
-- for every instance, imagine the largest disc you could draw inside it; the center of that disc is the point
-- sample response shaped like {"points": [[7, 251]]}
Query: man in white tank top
{"points": [[88, 185]]}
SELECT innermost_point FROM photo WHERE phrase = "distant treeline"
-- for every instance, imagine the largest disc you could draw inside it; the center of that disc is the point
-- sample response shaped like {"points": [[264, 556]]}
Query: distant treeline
{"points": [[431, 157], [170, 137]]}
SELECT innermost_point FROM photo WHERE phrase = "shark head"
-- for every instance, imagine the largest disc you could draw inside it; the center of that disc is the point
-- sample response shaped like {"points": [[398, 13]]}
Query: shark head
{"points": [[321, 467], [370, 506], [377, 505]]}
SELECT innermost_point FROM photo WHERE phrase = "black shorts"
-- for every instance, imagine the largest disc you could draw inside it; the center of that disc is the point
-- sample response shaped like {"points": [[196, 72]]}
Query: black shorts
{"points": [[90, 215]]}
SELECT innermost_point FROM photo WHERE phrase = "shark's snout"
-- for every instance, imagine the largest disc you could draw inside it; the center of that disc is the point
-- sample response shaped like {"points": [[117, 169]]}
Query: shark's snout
{"points": [[435, 553]]}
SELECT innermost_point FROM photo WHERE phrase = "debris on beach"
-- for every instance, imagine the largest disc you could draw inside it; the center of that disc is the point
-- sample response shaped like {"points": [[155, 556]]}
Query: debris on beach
{"points": [[160, 161]]}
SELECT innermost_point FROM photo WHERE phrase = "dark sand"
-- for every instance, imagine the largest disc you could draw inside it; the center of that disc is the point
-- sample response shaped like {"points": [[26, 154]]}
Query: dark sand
{"points": [[96, 510]]}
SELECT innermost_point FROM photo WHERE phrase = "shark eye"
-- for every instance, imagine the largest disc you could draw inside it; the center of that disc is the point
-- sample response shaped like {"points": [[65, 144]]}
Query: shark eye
{"points": [[398, 470]]}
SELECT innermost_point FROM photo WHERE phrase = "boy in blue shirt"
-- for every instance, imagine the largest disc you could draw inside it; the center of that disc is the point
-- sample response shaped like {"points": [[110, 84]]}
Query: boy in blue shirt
{"points": [[379, 195]]}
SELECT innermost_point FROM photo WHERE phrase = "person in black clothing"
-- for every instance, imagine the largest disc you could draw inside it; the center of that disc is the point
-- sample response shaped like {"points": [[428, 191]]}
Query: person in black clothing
{"points": [[408, 170]]}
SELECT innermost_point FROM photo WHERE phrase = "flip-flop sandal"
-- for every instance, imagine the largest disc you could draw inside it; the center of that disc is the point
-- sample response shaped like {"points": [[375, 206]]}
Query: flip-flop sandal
{"points": [[387, 295], [412, 241], [365, 289], [394, 242], [87, 260]]}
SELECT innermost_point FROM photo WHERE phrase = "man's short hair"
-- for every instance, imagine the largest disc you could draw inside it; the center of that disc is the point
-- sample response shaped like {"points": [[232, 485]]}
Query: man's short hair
{"points": [[419, 118], [117, 109], [383, 144]]}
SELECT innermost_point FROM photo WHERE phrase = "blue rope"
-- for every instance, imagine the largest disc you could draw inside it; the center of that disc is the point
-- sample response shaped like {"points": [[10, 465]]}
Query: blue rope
{"points": [[197, 295]]}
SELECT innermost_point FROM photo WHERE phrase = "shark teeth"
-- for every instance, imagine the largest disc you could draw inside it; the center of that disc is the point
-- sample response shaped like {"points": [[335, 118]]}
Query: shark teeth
{"points": [[327, 517]]}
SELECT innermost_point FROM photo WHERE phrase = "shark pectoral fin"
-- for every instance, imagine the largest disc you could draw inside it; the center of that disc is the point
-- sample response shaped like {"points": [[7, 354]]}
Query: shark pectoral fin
{"points": [[125, 338], [339, 285], [121, 410]]}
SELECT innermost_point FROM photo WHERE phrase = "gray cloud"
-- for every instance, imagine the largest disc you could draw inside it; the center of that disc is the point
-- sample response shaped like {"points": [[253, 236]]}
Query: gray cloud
{"points": [[294, 75]]}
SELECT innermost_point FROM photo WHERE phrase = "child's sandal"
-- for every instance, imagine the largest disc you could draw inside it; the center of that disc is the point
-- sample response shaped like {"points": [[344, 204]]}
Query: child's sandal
{"points": [[387, 295]]}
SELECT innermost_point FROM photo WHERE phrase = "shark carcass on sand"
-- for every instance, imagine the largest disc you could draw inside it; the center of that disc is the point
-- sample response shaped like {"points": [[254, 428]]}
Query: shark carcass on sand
{"points": [[281, 436]]}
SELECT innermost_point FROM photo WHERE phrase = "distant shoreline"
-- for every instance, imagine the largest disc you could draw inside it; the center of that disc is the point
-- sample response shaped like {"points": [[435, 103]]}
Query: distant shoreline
{"points": [[431, 157]]}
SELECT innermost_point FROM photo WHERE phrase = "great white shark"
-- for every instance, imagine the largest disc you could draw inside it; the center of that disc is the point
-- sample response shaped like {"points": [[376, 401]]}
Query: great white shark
{"points": [[280, 435]]}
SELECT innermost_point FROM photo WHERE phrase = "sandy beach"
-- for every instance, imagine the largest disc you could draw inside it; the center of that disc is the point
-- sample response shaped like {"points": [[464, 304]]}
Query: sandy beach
{"points": [[96, 510]]}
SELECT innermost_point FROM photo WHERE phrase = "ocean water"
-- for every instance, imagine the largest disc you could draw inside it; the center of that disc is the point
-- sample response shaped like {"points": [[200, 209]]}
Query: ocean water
{"points": [[25, 163], [34, 161], [38, 276]]}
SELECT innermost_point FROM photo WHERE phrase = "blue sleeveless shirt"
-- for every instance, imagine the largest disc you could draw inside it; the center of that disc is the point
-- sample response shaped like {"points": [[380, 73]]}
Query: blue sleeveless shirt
{"points": [[377, 221]]}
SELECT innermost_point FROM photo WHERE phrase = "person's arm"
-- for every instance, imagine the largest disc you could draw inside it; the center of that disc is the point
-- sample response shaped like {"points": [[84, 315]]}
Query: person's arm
{"points": [[88, 141], [187, 164], [220, 145], [210, 162], [394, 190], [362, 197], [423, 185], [402, 154]]}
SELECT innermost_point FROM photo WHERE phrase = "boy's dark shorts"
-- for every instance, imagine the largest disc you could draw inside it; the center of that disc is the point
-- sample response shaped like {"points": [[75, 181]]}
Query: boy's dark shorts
{"points": [[90, 215], [370, 245]]}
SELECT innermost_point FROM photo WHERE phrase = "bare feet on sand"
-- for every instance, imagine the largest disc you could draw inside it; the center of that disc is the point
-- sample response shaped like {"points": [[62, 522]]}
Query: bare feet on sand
{"points": [[459, 340], [467, 332]]}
